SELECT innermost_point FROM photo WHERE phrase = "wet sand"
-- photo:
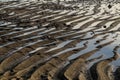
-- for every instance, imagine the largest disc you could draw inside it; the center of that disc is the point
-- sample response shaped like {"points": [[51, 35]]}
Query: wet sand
{"points": [[51, 44]]}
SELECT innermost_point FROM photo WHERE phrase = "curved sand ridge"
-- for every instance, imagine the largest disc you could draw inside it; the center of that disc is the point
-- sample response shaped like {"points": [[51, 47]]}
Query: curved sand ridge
{"points": [[37, 44]]}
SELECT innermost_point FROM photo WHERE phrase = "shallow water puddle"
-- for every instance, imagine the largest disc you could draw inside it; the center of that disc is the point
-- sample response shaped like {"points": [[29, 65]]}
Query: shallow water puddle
{"points": [[107, 25], [107, 51], [60, 45], [82, 23], [105, 16], [77, 20], [116, 28], [69, 49], [91, 46], [27, 33], [26, 29]]}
